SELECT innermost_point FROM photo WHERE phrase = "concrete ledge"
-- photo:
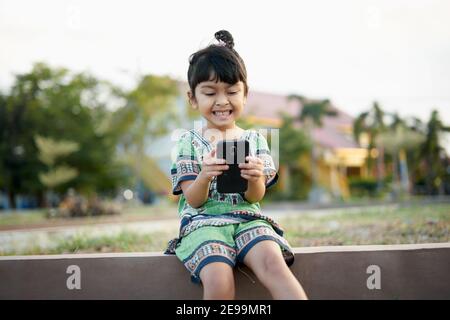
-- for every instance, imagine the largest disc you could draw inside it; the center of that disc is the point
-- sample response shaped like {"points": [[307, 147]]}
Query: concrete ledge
{"points": [[420, 271]]}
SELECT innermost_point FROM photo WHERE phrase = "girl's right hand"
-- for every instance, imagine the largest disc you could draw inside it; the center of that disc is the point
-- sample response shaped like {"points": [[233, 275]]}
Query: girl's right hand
{"points": [[211, 166]]}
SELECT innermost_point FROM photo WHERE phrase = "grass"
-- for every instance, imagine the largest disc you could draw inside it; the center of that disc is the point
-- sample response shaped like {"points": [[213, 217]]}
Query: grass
{"points": [[389, 225], [30, 218], [21, 217], [125, 241]]}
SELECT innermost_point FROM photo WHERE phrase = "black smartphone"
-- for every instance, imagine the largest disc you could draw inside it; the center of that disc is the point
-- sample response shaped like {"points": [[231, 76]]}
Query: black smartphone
{"points": [[234, 152]]}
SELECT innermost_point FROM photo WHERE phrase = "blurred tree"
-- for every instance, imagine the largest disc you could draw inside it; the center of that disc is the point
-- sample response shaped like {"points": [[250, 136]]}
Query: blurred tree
{"points": [[397, 140], [293, 144], [18, 159], [2, 140], [54, 103], [49, 150], [311, 116], [150, 111], [372, 123], [434, 154], [415, 161]]}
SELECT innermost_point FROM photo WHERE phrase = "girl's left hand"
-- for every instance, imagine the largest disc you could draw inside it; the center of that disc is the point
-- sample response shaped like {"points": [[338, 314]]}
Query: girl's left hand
{"points": [[253, 170]]}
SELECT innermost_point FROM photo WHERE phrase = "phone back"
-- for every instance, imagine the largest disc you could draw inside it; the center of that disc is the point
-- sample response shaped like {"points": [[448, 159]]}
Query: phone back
{"points": [[234, 152]]}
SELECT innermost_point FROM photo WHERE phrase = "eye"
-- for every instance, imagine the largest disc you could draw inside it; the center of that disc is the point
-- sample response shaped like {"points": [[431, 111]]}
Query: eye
{"points": [[234, 92], [208, 94]]}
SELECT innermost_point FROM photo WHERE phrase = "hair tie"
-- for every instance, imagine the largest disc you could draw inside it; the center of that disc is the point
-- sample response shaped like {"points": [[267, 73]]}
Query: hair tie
{"points": [[224, 38], [221, 43]]}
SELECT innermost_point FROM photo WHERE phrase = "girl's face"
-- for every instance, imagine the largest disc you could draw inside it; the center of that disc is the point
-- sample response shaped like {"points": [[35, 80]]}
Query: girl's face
{"points": [[220, 103]]}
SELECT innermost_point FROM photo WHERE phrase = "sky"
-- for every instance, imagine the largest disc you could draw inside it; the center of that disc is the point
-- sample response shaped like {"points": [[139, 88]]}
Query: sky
{"points": [[352, 52]]}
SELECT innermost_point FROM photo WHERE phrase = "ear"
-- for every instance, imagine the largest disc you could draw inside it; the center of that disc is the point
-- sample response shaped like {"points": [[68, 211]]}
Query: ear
{"points": [[192, 99]]}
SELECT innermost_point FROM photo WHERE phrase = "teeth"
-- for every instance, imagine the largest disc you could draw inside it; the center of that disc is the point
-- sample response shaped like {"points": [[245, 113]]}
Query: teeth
{"points": [[223, 113]]}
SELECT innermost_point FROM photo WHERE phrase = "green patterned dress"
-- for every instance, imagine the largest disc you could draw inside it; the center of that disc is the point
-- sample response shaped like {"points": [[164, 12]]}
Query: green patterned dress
{"points": [[226, 226]]}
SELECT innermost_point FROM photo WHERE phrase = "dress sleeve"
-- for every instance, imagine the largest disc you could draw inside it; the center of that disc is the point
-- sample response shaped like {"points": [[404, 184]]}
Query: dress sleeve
{"points": [[185, 165], [263, 152]]}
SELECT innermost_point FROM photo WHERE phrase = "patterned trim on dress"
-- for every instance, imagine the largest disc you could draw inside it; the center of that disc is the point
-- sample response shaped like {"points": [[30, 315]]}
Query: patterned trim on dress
{"points": [[177, 190], [216, 222], [246, 239], [190, 223], [246, 236], [206, 250], [249, 215], [187, 168], [193, 223]]}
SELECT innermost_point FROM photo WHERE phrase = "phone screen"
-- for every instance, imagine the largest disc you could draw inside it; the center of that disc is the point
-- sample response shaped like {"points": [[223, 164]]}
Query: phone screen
{"points": [[234, 152]]}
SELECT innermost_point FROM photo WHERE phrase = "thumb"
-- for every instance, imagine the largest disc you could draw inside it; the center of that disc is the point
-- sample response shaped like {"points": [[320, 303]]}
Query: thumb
{"points": [[213, 152]]}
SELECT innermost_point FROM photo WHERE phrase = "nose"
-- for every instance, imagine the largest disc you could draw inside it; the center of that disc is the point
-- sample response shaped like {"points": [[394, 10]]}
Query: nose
{"points": [[221, 100]]}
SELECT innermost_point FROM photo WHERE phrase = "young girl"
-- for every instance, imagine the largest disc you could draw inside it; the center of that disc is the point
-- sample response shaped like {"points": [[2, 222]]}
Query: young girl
{"points": [[220, 230]]}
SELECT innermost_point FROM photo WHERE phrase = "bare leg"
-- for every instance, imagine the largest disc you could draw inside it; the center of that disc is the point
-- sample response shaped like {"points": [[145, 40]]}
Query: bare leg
{"points": [[218, 281], [266, 261]]}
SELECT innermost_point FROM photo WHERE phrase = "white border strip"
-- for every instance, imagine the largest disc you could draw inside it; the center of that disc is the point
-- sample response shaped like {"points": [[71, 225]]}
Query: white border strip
{"points": [[355, 248]]}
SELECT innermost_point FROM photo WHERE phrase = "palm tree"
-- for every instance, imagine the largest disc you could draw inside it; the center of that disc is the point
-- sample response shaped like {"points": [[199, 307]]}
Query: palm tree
{"points": [[414, 155], [294, 143], [372, 123], [432, 152], [311, 116], [398, 139]]}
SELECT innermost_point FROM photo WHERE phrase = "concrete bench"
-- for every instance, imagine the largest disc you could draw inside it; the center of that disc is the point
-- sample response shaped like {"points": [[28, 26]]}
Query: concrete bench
{"points": [[419, 271]]}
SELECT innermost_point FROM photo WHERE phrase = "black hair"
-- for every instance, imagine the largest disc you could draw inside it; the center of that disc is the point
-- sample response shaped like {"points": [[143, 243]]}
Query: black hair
{"points": [[218, 60]]}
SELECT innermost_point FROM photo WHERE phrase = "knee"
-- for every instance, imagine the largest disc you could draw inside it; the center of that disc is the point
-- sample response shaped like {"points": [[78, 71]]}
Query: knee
{"points": [[274, 264], [218, 279], [220, 282], [218, 288]]}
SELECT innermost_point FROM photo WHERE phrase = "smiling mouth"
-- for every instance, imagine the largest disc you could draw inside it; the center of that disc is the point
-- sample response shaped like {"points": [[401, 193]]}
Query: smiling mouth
{"points": [[222, 114]]}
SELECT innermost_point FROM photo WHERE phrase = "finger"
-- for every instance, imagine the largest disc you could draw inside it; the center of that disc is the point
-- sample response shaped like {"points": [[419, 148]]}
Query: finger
{"points": [[249, 178], [255, 173], [247, 165], [251, 166], [213, 173], [218, 168], [219, 161], [250, 158], [208, 161], [213, 161], [259, 160], [254, 160]]}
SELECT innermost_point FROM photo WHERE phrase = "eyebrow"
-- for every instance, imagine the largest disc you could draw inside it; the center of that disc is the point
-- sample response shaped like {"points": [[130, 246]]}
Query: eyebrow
{"points": [[213, 87]]}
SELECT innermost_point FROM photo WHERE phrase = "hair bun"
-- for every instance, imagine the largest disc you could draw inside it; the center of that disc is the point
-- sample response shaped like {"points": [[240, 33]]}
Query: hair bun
{"points": [[225, 37]]}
